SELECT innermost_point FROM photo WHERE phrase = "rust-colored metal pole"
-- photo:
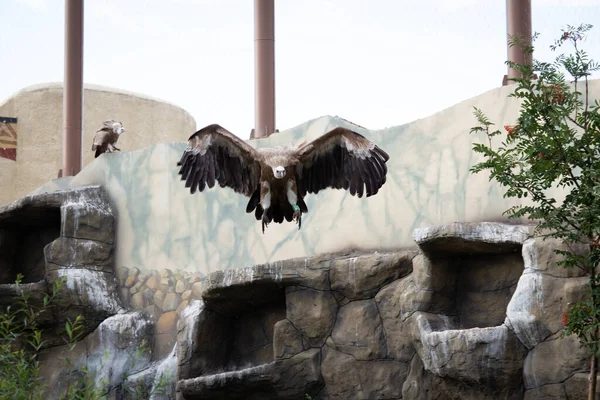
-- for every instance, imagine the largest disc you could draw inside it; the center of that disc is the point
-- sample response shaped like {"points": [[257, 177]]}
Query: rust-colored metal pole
{"points": [[73, 88], [518, 23], [264, 68]]}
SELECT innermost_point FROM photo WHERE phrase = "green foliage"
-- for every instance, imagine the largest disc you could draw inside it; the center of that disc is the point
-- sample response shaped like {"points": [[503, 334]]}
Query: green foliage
{"points": [[582, 318], [554, 144], [21, 342]]}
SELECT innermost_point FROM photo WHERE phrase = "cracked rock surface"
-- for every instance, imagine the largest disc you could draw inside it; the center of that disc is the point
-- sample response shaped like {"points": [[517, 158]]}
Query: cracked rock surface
{"points": [[70, 235], [62, 235], [473, 313]]}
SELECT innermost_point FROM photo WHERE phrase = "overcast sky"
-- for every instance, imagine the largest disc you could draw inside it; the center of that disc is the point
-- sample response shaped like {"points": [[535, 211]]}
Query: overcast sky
{"points": [[378, 63]]}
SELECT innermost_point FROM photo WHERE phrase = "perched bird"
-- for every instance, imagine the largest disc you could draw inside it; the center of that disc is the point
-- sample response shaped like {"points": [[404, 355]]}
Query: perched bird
{"points": [[106, 137], [277, 179]]}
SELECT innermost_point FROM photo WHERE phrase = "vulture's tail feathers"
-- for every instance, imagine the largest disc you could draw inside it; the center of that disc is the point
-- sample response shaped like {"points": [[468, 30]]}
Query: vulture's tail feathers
{"points": [[277, 213], [288, 212]]}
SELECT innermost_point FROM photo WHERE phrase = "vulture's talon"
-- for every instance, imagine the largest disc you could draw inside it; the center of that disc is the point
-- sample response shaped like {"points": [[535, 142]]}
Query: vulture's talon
{"points": [[298, 217], [265, 222]]}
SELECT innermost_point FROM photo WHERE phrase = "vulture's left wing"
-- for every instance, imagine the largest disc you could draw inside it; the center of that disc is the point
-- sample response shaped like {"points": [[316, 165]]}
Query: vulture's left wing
{"points": [[215, 154], [100, 138], [341, 159]]}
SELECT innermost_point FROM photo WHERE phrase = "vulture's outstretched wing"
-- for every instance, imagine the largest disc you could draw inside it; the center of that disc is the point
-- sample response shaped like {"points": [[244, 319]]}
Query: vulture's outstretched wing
{"points": [[215, 154], [341, 159]]}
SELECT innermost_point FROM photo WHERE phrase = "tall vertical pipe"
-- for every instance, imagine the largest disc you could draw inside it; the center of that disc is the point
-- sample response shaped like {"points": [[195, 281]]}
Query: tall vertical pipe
{"points": [[264, 68], [73, 88], [518, 23]]}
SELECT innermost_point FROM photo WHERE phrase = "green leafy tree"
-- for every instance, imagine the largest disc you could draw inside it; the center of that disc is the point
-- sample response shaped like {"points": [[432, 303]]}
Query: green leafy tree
{"points": [[550, 158]]}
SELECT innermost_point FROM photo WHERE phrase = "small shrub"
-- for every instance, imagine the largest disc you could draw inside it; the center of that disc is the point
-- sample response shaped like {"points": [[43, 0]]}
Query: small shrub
{"points": [[20, 345]]}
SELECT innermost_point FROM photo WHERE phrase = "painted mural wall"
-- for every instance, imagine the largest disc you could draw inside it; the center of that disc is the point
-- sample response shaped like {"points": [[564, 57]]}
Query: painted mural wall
{"points": [[160, 225]]}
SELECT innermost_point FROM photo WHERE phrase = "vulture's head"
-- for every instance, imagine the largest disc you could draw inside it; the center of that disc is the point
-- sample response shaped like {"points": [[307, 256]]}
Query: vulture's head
{"points": [[114, 126], [279, 172]]}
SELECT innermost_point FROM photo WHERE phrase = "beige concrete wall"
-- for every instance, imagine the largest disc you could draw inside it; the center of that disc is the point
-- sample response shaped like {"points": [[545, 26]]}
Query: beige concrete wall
{"points": [[7, 167], [7, 172], [39, 110]]}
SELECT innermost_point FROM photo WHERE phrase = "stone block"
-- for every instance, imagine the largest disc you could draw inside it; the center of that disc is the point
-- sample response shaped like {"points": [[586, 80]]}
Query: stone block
{"points": [[358, 331], [361, 277], [313, 313]]}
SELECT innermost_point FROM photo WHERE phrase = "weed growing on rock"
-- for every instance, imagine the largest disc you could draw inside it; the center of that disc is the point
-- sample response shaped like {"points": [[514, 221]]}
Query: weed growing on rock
{"points": [[21, 342]]}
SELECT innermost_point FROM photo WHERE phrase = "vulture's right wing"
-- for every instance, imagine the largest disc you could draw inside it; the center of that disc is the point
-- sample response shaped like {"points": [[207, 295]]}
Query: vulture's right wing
{"points": [[341, 159], [215, 154]]}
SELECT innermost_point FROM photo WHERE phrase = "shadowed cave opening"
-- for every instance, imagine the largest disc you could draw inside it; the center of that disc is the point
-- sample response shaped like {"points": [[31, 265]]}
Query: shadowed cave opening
{"points": [[477, 287], [236, 329], [23, 235]]}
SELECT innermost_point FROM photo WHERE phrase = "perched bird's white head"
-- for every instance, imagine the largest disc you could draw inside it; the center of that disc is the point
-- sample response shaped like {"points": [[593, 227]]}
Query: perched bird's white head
{"points": [[114, 126], [279, 172], [118, 128]]}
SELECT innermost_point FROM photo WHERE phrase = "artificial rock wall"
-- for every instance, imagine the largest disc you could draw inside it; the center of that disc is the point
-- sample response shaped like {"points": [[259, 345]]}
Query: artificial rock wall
{"points": [[472, 311], [69, 236], [62, 235]]}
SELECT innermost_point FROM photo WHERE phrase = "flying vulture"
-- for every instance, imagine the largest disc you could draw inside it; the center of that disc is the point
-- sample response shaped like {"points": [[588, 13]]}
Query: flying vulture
{"points": [[277, 179], [106, 137]]}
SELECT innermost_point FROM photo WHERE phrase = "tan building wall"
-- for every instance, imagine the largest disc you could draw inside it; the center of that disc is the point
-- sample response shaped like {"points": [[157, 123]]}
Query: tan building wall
{"points": [[39, 110]]}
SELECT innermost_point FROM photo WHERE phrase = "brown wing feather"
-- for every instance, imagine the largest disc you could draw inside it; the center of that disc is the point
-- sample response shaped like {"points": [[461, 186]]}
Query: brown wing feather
{"points": [[100, 142], [215, 154], [341, 159]]}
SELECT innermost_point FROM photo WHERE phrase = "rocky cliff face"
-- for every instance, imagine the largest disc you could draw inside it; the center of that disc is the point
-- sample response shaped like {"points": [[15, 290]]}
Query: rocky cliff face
{"points": [[472, 311], [70, 235]]}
